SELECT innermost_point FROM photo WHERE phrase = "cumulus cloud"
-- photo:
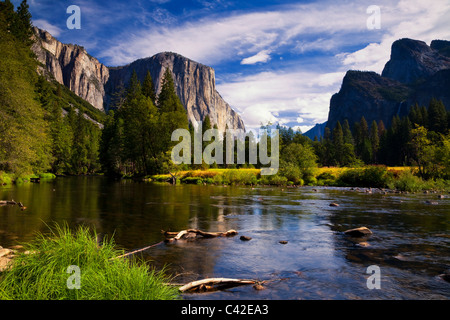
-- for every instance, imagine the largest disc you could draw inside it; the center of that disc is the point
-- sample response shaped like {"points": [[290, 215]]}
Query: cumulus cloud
{"points": [[262, 97]]}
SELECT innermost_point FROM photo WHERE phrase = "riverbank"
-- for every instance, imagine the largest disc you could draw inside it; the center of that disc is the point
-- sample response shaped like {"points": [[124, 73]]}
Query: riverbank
{"points": [[395, 178], [11, 178], [71, 265]]}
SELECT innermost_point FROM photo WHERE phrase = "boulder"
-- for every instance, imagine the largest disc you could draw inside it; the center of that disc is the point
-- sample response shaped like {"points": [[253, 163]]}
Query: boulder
{"points": [[245, 238], [358, 232]]}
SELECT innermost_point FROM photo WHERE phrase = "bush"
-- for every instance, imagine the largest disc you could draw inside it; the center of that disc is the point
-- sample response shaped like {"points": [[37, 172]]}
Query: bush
{"points": [[374, 176], [42, 275], [192, 180], [407, 181]]}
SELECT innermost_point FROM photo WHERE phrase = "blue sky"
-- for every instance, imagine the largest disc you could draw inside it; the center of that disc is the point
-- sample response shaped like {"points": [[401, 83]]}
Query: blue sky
{"points": [[277, 61]]}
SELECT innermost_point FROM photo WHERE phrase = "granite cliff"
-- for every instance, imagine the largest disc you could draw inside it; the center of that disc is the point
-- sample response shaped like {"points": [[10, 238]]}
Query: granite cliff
{"points": [[415, 73], [83, 74], [194, 82], [72, 66]]}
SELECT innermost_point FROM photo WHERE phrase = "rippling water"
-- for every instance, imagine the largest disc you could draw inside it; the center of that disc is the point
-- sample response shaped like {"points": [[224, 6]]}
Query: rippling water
{"points": [[410, 241]]}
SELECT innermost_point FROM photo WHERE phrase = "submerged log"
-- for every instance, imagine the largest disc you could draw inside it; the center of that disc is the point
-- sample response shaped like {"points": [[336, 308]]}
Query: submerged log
{"points": [[211, 284]]}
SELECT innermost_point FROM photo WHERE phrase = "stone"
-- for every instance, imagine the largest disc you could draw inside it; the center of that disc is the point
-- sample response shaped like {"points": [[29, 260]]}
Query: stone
{"points": [[4, 263], [283, 242], [431, 202], [358, 232], [5, 252], [245, 238], [334, 205]]}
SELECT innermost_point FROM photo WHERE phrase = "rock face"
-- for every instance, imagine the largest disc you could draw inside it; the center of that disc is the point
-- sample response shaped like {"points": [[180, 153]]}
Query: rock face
{"points": [[370, 95], [412, 60], [415, 73], [72, 66], [194, 82]]}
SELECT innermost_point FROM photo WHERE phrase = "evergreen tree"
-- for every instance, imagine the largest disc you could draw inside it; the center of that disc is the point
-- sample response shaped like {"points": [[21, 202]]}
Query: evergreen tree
{"points": [[437, 116], [374, 141], [22, 28], [134, 87], [148, 89], [348, 137], [338, 145]]}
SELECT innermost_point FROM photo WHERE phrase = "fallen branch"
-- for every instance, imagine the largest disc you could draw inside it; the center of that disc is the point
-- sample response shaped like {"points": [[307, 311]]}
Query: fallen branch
{"points": [[220, 283], [139, 250], [192, 233]]}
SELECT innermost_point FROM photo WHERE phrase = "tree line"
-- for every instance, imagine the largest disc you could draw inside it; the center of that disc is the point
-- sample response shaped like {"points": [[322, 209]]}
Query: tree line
{"points": [[402, 144]]}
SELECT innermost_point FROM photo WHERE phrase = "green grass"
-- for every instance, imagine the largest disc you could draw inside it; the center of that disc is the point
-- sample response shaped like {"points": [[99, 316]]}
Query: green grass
{"points": [[42, 275]]}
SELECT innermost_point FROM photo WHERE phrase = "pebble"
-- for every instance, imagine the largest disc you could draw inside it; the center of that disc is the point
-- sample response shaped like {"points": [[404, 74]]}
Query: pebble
{"points": [[245, 238]]}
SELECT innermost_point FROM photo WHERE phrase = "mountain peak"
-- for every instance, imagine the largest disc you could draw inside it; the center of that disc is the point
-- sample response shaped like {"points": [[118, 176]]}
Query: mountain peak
{"points": [[413, 60]]}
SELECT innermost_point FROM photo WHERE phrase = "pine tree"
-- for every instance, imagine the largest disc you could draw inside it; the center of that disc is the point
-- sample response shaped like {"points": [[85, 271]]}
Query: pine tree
{"points": [[437, 116], [374, 141], [148, 89], [23, 25], [338, 144], [173, 114], [134, 88], [348, 137]]}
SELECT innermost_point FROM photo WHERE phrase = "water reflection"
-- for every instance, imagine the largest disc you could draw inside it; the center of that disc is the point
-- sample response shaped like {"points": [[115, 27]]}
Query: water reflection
{"points": [[410, 242]]}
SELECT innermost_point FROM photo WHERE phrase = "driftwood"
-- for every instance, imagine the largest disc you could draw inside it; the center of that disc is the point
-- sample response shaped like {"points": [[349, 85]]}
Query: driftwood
{"points": [[173, 179], [139, 250], [193, 233], [7, 202], [190, 233], [12, 203], [212, 284]]}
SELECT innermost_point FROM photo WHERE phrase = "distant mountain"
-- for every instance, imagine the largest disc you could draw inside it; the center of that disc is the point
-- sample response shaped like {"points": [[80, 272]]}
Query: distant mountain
{"points": [[316, 131], [84, 75], [415, 72]]}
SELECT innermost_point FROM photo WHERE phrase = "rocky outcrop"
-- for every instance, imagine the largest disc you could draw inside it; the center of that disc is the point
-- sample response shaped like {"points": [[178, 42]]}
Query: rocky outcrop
{"points": [[370, 95], [194, 82], [416, 73], [73, 67], [413, 60]]}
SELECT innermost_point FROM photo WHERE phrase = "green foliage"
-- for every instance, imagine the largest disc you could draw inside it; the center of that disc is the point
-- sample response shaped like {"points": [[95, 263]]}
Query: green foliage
{"points": [[407, 181], [42, 274], [136, 139], [24, 143], [373, 176]]}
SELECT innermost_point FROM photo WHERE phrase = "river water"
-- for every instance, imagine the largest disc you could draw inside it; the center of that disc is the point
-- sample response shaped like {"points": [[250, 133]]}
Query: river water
{"points": [[410, 243]]}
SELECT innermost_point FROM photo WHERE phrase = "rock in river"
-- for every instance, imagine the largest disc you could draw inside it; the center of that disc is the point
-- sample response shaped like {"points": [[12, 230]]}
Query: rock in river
{"points": [[334, 204], [358, 232]]}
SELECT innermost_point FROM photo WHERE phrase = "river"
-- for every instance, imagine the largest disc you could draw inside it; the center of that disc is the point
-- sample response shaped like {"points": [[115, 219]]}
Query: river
{"points": [[410, 243]]}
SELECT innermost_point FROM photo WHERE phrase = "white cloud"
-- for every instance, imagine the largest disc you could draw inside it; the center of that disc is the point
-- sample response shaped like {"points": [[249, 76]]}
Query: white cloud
{"points": [[262, 97], [246, 37], [45, 25], [408, 19], [262, 56]]}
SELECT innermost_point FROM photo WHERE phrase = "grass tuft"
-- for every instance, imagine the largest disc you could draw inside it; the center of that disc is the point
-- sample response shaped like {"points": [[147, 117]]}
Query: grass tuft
{"points": [[42, 274]]}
